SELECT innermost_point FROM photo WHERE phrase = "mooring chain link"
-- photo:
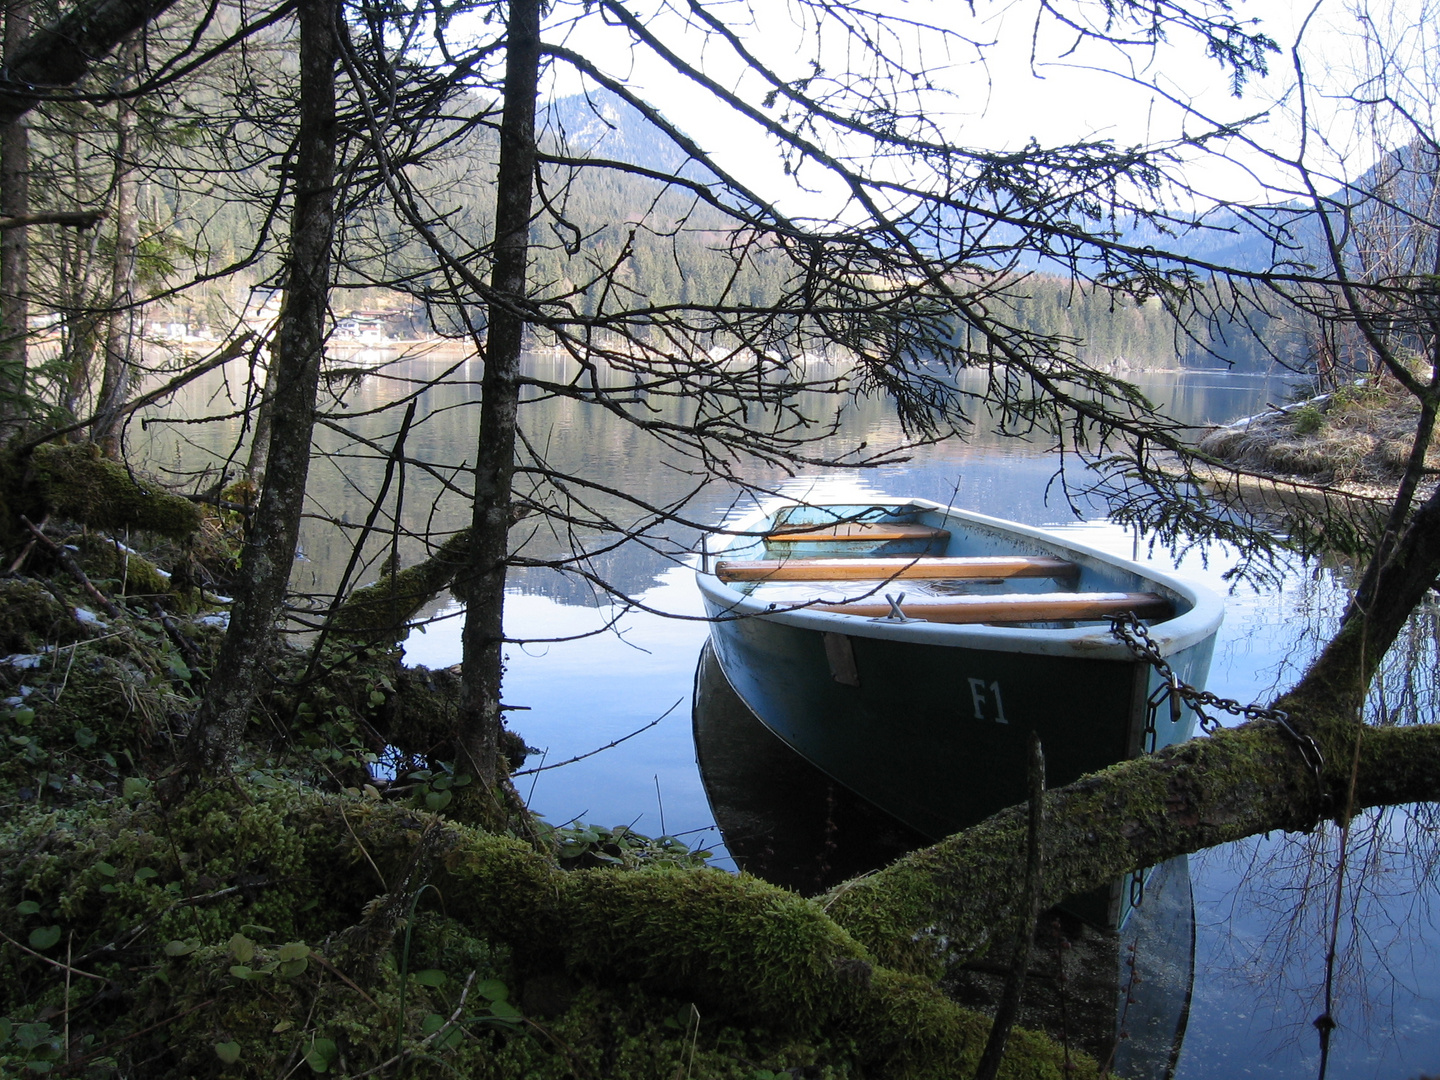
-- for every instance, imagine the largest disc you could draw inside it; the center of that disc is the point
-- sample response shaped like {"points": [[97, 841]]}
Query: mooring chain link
{"points": [[1128, 628]]}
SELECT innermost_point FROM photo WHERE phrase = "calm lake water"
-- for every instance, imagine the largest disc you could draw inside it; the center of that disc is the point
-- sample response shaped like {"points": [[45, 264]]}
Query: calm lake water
{"points": [[587, 672]]}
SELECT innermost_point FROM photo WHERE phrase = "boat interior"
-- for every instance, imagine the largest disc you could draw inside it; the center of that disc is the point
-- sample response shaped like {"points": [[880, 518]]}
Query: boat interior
{"points": [[948, 569]]}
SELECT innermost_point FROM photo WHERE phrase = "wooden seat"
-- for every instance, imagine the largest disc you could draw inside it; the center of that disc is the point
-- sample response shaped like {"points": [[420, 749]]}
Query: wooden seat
{"points": [[867, 531], [927, 569], [1013, 607]]}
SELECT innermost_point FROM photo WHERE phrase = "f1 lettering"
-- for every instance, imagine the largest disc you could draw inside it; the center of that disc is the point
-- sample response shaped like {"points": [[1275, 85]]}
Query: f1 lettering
{"points": [[987, 700]]}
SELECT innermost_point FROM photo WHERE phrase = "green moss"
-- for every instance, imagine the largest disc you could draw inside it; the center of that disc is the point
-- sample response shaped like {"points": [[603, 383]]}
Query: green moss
{"points": [[424, 710], [116, 571], [75, 482], [667, 969], [626, 1032], [90, 711], [31, 618], [752, 949], [919, 890], [274, 1019], [382, 610], [230, 846]]}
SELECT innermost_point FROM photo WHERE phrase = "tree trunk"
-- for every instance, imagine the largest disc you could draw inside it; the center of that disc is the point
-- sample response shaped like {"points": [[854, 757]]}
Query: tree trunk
{"points": [[300, 342], [483, 583], [77, 264], [14, 243], [120, 325], [264, 411]]}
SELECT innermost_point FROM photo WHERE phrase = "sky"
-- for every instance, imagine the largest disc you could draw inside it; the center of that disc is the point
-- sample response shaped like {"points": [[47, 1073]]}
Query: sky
{"points": [[1015, 83]]}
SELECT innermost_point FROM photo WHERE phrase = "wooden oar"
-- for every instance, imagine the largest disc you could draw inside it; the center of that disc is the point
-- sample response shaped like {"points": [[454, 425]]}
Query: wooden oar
{"points": [[880, 569], [1012, 607]]}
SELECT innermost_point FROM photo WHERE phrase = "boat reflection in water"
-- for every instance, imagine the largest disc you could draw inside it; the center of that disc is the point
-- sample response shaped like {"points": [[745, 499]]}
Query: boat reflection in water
{"points": [[1122, 996]]}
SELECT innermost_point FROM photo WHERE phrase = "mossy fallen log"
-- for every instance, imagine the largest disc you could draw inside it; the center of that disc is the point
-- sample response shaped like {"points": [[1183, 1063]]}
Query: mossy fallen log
{"points": [[1236, 783], [382, 610], [76, 482], [188, 925], [130, 572]]}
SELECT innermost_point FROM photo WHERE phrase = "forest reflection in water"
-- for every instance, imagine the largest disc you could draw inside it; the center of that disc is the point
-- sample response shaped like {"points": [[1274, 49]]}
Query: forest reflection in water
{"points": [[589, 672], [590, 445]]}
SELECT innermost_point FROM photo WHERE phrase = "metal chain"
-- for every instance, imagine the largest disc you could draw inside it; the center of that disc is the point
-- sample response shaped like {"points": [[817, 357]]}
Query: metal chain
{"points": [[1128, 628]]}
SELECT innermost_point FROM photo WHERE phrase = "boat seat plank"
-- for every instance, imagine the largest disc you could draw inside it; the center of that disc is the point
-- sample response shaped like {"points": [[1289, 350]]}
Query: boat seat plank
{"points": [[927, 569], [870, 531], [1013, 607]]}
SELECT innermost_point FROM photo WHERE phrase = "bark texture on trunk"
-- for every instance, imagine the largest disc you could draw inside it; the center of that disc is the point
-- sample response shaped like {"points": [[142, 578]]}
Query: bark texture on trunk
{"points": [[14, 243], [482, 584], [260, 440], [300, 341], [120, 324]]}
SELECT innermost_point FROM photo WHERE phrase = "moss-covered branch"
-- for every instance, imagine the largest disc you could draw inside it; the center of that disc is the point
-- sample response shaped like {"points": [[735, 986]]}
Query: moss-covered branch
{"points": [[382, 610], [964, 891], [736, 946], [185, 938], [743, 946], [77, 482]]}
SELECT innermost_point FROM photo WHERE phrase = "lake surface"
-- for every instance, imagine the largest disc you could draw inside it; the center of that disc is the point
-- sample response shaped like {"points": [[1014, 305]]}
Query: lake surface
{"points": [[588, 672]]}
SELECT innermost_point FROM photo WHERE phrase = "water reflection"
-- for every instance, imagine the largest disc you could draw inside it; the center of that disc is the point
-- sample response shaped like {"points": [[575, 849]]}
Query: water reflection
{"points": [[780, 817], [200, 435]]}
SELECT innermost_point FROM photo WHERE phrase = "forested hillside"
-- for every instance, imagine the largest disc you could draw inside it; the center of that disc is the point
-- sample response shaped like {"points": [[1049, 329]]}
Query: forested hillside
{"points": [[670, 248], [619, 237]]}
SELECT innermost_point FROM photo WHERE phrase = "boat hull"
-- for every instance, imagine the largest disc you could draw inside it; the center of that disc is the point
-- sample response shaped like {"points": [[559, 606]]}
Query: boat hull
{"points": [[937, 735], [781, 818]]}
